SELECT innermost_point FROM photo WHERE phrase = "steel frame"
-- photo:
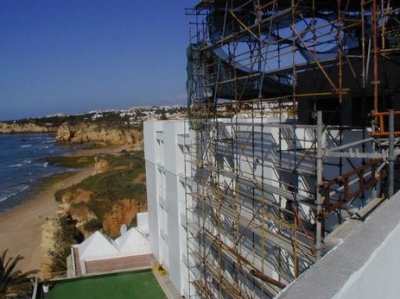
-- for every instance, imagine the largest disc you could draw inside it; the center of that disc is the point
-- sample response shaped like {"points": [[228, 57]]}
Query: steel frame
{"points": [[264, 188]]}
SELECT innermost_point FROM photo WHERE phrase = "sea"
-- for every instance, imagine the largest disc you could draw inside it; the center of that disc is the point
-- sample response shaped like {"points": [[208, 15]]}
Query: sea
{"points": [[23, 165]]}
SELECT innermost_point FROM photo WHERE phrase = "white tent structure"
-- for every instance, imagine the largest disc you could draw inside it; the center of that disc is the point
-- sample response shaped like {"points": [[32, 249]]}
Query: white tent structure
{"points": [[99, 253], [132, 242], [97, 246]]}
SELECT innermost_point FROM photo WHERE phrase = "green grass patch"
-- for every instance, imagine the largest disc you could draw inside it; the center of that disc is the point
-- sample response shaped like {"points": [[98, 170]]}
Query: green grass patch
{"points": [[55, 178], [71, 161], [119, 184], [139, 284], [115, 185]]}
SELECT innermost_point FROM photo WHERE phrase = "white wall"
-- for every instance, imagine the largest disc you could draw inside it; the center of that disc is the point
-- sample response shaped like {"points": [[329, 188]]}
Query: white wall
{"points": [[166, 196], [152, 204], [149, 130]]}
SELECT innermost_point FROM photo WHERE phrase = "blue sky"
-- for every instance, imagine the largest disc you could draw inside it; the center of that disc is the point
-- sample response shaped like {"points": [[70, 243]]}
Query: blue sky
{"points": [[73, 56]]}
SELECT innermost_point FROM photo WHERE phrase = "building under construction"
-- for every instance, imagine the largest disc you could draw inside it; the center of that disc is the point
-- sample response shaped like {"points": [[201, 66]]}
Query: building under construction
{"points": [[294, 115]]}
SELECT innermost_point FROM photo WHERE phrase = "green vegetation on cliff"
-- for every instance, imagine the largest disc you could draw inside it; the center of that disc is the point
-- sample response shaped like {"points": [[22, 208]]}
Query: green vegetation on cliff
{"points": [[71, 161], [122, 179], [119, 183]]}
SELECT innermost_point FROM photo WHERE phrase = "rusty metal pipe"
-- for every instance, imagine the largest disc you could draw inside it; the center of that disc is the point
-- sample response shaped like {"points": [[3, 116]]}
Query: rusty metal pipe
{"points": [[266, 278]]}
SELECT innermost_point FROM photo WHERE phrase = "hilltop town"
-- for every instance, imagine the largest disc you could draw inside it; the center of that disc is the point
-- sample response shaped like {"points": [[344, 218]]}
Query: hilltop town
{"points": [[119, 118]]}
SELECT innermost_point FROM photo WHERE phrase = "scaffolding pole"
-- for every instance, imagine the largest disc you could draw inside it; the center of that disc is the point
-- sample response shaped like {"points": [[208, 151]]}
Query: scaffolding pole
{"points": [[273, 109]]}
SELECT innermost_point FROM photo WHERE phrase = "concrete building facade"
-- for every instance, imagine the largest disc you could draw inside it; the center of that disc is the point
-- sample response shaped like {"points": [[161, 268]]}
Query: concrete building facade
{"points": [[216, 245], [165, 176]]}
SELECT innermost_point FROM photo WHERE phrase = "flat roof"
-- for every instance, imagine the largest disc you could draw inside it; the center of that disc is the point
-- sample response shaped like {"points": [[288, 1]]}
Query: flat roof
{"points": [[123, 285]]}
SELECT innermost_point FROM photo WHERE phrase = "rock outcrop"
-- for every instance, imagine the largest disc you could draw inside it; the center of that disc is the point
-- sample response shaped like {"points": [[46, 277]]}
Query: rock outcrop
{"points": [[101, 164], [73, 202], [27, 127], [50, 228], [97, 133], [81, 132], [122, 212]]}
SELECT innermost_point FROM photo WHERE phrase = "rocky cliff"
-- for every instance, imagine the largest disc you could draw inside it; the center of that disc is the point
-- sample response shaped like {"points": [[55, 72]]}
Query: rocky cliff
{"points": [[79, 205], [97, 133], [112, 196], [27, 127], [80, 132]]}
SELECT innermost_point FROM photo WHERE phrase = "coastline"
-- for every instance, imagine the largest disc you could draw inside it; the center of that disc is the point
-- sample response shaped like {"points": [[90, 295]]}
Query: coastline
{"points": [[21, 226]]}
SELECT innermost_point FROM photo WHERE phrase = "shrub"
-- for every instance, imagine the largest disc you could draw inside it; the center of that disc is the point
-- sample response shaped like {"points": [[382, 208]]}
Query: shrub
{"points": [[93, 225]]}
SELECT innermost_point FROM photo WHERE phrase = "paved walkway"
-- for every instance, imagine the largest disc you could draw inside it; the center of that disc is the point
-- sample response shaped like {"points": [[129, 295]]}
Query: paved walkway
{"points": [[167, 285]]}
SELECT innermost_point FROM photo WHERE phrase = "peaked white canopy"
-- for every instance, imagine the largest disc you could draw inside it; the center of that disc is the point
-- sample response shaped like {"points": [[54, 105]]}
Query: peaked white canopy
{"points": [[97, 246], [132, 242]]}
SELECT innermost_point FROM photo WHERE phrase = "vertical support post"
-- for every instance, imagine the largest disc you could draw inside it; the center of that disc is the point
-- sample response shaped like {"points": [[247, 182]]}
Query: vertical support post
{"points": [[373, 177], [376, 53], [391, 153], [294, 47], [363, 49], [295, 257], [340, 53], [319, 216]]}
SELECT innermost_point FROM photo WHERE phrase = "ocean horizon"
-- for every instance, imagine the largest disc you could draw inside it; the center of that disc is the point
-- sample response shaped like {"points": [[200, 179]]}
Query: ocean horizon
{"points": [[23, 165]]}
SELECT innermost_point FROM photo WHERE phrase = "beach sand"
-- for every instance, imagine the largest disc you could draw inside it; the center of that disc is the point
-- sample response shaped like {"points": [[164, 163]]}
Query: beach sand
{"points": [[20, 228]]}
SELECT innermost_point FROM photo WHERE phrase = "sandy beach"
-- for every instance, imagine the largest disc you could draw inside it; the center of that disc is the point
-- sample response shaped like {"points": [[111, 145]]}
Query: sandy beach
{"points": [[21, 230]]}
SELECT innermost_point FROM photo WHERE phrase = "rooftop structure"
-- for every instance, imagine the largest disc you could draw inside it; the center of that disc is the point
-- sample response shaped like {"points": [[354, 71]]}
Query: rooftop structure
{"points": [[100, 254], [310, 135]]}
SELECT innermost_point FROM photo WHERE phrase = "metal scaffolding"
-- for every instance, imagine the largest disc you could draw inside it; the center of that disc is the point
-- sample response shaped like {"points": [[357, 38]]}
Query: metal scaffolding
{"points": [[294, 110]]}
